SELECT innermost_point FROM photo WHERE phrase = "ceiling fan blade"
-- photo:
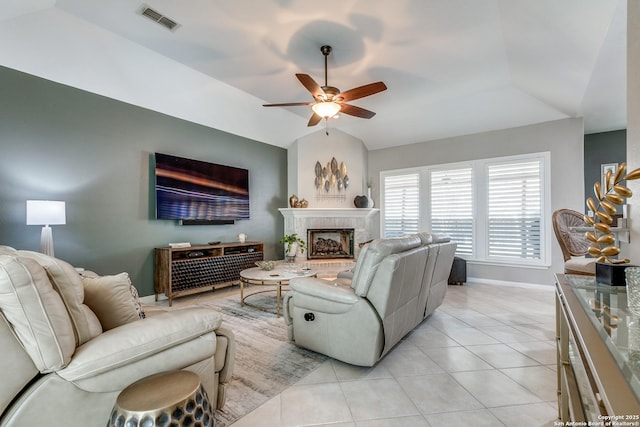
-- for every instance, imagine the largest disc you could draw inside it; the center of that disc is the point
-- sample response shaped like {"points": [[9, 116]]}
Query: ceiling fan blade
{"points": [[362, 91], [314, 120], [311, 85], [352, 110], [287, 104]]}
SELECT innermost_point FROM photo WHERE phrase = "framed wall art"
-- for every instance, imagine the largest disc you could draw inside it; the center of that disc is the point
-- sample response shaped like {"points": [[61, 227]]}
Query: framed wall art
{"points": [[604, 168]]}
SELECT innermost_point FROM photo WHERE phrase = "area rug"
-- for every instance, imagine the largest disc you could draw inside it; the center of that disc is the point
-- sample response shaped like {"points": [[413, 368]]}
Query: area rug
{"points": [[266, 363]]}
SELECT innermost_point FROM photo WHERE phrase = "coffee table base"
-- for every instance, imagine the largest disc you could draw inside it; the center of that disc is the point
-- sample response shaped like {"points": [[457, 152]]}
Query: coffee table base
{"points": [[278, 277], [278, 291]]}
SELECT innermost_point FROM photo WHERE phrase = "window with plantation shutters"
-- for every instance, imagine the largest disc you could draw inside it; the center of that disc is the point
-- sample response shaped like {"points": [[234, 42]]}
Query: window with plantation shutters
{"points": [[452, 206], [514, 210], [401, 208], [494, 209]]}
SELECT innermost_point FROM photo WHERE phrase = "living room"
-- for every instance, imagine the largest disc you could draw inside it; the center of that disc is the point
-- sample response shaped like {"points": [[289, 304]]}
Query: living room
{"points": [[102, 150], [95, 152]]}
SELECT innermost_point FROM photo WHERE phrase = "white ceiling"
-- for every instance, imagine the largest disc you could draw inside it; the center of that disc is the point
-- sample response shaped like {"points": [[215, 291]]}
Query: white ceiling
{"points": [[452, 67]]}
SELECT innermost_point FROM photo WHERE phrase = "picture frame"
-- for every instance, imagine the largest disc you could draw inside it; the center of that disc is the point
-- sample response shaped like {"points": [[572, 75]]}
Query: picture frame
{"points": [[604, 168]]}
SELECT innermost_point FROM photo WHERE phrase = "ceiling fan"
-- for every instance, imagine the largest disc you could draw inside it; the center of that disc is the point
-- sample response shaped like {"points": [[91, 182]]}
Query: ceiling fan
{"points": [[329, 101]]}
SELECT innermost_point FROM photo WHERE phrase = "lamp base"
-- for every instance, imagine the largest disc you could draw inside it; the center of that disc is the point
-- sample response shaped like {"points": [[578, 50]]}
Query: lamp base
{"points": [[46, 241]]}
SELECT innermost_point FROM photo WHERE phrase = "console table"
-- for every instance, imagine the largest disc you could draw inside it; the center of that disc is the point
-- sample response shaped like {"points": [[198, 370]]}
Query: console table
{"points": [[202, 268], [598, 371]]}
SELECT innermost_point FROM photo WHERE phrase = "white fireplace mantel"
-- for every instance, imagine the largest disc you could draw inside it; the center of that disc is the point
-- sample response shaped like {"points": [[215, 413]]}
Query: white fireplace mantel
{"points": [[327, 212]]}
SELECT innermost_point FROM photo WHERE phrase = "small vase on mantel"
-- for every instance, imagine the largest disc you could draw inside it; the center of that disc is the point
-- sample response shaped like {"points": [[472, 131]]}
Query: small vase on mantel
{"points": [[361, 202], [371, 204]]}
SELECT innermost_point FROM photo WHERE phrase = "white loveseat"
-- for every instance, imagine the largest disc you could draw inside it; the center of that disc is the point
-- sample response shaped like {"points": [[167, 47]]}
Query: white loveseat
{"points": [[64, 366], [396, 283]]}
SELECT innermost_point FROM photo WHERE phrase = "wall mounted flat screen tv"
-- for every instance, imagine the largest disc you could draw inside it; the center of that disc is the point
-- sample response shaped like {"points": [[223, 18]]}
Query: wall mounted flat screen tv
{"points": [[195, 190]]}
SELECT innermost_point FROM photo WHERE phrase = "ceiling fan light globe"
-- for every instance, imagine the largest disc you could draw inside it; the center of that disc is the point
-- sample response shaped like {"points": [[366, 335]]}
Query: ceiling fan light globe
{"points": [[326, 109]]}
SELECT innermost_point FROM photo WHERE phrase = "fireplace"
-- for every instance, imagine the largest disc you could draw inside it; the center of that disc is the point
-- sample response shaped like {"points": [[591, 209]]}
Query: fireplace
{"points": [[324, 243], [300, 221]]}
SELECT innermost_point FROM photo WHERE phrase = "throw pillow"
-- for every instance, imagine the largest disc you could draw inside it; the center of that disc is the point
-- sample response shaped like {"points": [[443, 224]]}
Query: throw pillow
{"points": [[113, 299]]}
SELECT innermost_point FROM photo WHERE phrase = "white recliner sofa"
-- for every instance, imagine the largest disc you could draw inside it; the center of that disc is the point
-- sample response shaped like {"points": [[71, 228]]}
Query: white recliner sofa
{"points": [[395, 284], [62, 365]]}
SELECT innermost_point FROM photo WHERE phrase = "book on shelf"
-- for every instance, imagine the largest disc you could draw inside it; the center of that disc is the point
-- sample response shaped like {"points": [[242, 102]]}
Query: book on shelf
{"points": [[180, 245]]}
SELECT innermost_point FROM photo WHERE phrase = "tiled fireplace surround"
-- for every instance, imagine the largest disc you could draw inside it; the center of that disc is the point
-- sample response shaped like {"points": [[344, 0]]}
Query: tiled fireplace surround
{"points": [[298, 221]]}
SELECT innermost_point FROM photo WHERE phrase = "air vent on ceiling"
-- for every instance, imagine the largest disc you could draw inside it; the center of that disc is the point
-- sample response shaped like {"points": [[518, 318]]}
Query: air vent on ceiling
{"points": [[159, 18]]}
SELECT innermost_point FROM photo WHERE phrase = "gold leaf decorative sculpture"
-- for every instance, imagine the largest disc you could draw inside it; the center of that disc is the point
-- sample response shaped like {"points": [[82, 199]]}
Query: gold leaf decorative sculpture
{"points": [[603, 206]]}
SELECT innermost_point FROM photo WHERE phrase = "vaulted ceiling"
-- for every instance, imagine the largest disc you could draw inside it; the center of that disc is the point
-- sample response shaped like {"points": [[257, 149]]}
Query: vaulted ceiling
{"points": [[452, 67]]}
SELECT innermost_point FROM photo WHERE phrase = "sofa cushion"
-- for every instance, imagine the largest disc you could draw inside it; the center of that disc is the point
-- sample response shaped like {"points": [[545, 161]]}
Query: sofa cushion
{"points": [[373, 254], [426, 238], [359, 262], [580, 265], [66, 280], [7, 250], [113, 299], [441, 238], [36, 313]]}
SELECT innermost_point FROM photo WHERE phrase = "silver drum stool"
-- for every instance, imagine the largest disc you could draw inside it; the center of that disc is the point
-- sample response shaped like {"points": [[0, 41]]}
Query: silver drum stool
{"points": [[174, 398]]}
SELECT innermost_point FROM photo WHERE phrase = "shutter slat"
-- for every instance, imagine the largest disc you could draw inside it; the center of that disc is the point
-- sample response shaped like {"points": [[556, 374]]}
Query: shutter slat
{"points": [[452, 206], [401, 204], [514, 211]]}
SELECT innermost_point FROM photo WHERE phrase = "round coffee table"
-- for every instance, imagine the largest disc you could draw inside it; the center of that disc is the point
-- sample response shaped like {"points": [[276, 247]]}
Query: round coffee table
{"points": [[278, 277]]}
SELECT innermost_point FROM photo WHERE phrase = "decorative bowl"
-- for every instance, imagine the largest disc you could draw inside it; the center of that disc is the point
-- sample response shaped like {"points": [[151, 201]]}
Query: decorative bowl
{"points": [[266, 265]]}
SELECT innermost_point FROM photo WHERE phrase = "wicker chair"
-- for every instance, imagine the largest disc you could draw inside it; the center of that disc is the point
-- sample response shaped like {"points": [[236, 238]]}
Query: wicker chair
{"points": [[573, 243]]}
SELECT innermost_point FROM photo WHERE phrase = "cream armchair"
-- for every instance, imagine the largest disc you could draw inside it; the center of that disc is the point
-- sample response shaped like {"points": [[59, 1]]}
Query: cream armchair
{"points": [[359, 317], [61, 366]]}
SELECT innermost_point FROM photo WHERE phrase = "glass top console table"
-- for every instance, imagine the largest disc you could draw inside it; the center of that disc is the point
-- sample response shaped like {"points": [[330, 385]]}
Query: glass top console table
{"points": [[598, 345]]}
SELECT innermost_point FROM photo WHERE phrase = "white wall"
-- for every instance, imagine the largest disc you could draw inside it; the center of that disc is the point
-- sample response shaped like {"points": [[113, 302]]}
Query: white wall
{"points": [[562, 138], [306, 151], [633, 123]]}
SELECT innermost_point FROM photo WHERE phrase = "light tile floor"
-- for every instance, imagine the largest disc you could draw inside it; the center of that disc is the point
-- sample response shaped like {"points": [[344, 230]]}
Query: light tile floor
{"points": [[486, 357]]}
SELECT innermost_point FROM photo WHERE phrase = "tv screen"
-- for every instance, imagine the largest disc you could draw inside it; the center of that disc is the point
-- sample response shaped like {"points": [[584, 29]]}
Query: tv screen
{"points": [[193, 189]]}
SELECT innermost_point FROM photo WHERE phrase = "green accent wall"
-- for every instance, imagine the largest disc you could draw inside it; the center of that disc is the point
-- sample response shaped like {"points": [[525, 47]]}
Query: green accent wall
{"points": [[96, 154], [601, 148]]}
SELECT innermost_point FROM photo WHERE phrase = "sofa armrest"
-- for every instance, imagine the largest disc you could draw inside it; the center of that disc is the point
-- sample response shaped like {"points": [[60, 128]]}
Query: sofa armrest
{"points": [[139, 340], [153, 310], [346, 274], [225, 361], [322, 295]]}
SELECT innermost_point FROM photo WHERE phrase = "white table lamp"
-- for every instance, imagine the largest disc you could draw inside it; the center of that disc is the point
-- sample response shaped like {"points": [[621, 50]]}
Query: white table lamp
{"points": [[46, 212]]}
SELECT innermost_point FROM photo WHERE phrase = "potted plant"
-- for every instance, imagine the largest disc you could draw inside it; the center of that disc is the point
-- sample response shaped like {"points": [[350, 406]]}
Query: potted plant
{"points": [[292, 243]]}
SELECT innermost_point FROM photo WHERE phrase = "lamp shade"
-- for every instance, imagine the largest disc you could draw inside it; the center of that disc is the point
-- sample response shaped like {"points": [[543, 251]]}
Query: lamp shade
{"points": [[326, 109], [45, 212]]}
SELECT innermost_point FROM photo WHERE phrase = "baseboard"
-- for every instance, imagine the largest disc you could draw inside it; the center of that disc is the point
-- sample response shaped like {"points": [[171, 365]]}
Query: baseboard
{"points": [[151, 299], [506, 283]]}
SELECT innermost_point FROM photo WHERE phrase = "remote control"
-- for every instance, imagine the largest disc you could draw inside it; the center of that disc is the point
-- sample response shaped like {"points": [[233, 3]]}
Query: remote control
{"points": [[214, 243]]}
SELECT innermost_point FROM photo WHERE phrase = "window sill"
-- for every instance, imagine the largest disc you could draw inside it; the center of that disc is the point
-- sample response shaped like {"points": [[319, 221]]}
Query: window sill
{"points": [[510, 264]]}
